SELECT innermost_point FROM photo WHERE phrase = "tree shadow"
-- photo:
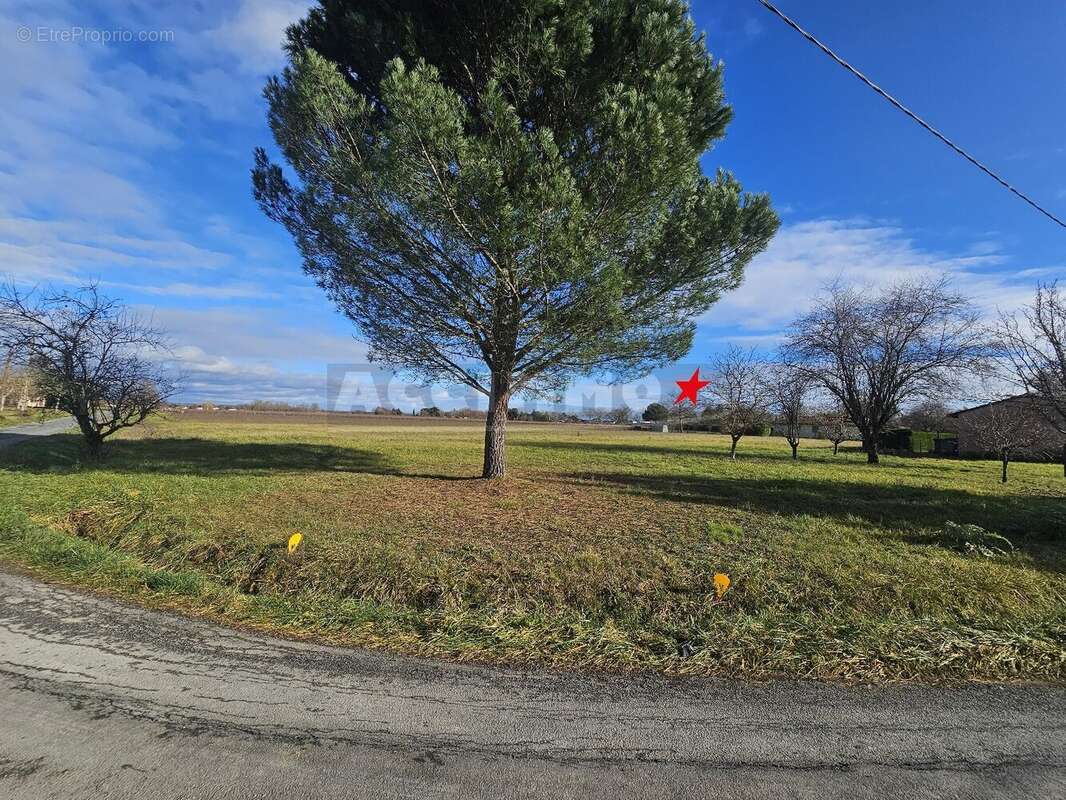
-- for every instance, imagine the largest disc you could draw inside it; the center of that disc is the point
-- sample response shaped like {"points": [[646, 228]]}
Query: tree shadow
{"points": [[10, 439], [1036, 524], [192, 456], [609, 448]]}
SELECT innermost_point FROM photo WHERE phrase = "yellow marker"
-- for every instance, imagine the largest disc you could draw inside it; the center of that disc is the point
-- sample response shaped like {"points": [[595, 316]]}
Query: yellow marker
{"points": [[294, 541], [721, 583]]}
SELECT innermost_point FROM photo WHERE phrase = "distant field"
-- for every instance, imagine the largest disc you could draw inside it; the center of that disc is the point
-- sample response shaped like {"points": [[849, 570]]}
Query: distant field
{"points": [[597, 552]]}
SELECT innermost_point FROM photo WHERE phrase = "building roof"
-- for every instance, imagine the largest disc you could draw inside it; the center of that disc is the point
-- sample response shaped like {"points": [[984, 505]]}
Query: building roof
{"points": [[1013, 398]]}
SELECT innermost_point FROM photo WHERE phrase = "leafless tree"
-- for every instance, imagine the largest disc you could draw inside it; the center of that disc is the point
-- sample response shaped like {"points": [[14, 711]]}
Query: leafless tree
{"points": [[621, 415], [1035, 348], [680, 413], [788, 389], [1005, 429], [877, 352], [89, 352], [835, 424], [7, 373], [17, 383], [27, 388], [739, 391]]}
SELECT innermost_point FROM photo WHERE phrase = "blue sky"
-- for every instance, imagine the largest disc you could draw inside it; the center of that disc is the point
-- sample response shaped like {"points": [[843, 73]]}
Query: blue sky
{"points": [[127, 162]]}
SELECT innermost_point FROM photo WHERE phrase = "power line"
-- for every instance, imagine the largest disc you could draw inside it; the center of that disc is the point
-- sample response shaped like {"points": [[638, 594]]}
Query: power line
{"points": [[810, 38]]}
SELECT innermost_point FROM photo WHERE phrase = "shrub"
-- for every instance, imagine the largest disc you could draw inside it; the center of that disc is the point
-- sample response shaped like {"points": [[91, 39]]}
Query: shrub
{"points": [[905, 440], [656, 412], [973, 540]]}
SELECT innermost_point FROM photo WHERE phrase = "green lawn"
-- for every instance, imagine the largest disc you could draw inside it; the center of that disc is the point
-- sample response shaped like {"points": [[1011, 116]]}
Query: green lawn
{"points": [[11, 417], [598, 551]]}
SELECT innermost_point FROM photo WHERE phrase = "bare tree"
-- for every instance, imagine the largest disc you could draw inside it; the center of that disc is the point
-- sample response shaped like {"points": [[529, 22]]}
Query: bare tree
{"points": [[1005, 429], [89, 352], [621, 415], [788, 389], [17, 384], [874, 353], [1035, 348], [835, 424], [680, 413], [740, 397], [27, 387], [7, 379]]}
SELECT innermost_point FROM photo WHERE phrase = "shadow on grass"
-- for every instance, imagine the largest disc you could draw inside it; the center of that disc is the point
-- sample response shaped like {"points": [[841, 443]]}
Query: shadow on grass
{"points": [[714, 449], [1035, 523], [11, 439], [192, 456], [851, 455]]}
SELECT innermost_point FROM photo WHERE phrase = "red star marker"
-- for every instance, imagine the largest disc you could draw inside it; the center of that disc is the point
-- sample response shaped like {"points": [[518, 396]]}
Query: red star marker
{"points": [[690, 388]]}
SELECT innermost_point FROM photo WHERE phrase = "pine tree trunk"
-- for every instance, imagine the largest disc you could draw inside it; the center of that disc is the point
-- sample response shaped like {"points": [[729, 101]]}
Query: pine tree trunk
{"points": [[496, 429]]}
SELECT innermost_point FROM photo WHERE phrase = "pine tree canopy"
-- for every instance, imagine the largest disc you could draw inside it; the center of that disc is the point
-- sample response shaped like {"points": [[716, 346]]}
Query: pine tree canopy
{"points": [[508, 194]]}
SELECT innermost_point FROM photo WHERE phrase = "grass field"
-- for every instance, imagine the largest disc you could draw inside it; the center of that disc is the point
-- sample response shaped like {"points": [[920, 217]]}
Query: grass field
{"points": [[11, 417], [598, 551]]}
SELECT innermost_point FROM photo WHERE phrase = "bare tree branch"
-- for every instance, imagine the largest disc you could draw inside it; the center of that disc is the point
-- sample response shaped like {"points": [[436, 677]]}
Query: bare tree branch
{"points": [[875, 353], [90, 353]]}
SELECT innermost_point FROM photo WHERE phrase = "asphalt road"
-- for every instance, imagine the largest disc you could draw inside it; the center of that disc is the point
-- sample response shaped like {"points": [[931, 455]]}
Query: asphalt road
{"points": [[20, 433], [103, 700]]}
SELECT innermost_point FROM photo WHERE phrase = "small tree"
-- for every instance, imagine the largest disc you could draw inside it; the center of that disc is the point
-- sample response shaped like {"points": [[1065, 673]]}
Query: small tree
{"points": [[90, 353], [739, 391], [656, 412], [788, 389], [506, 195], [835, 424], [680, 413], [1035, 348], [877, 352], [621, 415], [1005, 429]]}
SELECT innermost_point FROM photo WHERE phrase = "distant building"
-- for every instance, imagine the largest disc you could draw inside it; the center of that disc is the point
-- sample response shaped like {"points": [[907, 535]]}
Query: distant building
{"points": [[970, 418], [25, 403], [808, 428]]}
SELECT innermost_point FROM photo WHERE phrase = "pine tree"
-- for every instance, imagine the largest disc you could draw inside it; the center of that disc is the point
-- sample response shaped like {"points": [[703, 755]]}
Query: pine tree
{"points": [[508, 194]]}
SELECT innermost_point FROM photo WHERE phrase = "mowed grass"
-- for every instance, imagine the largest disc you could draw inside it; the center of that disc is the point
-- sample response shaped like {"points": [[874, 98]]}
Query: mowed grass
{"points": [[597, 552]]}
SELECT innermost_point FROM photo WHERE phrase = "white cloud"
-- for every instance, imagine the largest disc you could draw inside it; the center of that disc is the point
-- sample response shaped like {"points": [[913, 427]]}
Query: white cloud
{"points": [[226, 291], [255, 33], [72, 250], [249, 335], [806, 256]]}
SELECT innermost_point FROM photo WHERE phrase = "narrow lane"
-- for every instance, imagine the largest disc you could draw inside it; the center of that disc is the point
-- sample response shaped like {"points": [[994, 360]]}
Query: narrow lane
{"points": [[20, 433], [100, 699]]}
